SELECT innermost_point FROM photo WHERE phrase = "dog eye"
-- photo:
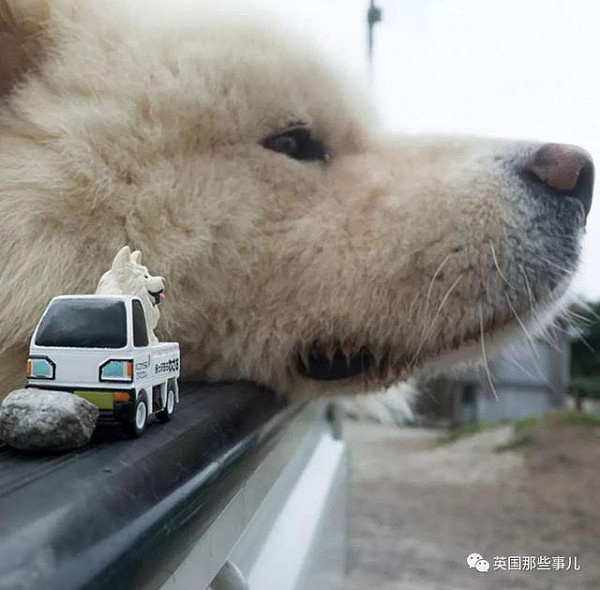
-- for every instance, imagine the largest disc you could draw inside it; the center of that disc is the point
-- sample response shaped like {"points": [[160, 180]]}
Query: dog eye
{"points": [[297, 143]]}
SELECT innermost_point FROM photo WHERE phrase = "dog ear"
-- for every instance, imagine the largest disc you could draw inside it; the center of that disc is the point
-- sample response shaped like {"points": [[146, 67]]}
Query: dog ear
{"points": [[136, 257], [22, 39], [122, 258]]}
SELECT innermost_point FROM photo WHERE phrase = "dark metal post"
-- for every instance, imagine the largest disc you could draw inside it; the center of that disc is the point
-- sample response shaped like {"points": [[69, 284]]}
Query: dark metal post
{"points": [[373, 16]]}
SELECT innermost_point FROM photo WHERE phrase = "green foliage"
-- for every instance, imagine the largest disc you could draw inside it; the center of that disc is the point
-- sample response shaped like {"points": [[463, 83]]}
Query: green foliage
{"points": [[517, 442], [524, 425], [585, 386], [524, 429], [573, 418], [585, 351], [466, 430]]}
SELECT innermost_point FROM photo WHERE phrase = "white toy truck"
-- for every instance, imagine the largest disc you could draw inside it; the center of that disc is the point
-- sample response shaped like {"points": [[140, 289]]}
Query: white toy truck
{"points": [[96, 346]]}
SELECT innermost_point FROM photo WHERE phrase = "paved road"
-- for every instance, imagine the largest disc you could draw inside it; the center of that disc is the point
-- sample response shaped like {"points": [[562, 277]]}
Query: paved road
{"points": [[419, 508]]}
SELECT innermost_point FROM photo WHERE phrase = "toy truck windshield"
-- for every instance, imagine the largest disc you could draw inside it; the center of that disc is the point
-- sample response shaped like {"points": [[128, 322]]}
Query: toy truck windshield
{"points": [[84, 323]]}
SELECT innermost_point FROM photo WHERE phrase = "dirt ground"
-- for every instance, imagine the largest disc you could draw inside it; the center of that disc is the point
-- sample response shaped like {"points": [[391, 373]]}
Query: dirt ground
{"points": [[419, 508]]}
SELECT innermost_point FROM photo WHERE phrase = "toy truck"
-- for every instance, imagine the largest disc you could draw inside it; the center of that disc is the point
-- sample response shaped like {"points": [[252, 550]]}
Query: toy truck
{"points": [[97, 347]]}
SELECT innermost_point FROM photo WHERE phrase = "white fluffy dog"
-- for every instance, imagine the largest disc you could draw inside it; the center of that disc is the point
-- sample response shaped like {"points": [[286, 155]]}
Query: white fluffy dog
{"points": [[127, 276], [304, 248]]}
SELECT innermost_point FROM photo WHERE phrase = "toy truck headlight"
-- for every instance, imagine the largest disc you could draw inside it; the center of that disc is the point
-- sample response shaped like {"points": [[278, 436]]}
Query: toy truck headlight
{"points": [[40, 367], [117, 370]]}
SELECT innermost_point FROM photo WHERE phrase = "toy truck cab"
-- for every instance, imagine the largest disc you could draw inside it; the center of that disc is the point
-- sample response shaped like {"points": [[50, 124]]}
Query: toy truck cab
{"points": [[97, 347]]}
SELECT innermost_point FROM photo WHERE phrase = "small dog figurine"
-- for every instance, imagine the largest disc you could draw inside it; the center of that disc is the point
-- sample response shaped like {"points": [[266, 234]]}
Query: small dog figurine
{"points": [[127, 276]]}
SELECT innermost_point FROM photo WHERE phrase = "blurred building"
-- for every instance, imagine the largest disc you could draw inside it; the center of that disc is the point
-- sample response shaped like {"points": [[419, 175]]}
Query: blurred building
{"points": [[528, 380]]}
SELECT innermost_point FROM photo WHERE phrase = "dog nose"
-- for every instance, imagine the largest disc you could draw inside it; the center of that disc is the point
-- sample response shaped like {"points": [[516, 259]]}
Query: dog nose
{"points": [[565, 169]]}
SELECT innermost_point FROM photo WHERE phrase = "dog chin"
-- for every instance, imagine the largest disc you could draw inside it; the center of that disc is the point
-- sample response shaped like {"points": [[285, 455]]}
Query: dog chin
{"points": [[514, 334], [327, 367]]}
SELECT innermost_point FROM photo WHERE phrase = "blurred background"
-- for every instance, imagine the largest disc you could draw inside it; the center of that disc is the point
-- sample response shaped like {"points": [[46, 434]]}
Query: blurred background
{"points": [[458, 471]]}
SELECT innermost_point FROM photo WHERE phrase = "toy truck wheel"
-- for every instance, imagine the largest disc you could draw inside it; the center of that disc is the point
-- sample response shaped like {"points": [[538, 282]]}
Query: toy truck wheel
{"points": [[137, 425], [165, 414]]}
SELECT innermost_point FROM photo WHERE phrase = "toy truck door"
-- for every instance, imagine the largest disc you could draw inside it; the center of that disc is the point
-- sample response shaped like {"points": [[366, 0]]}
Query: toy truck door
{"points": [[142, 362], [140, 328]]}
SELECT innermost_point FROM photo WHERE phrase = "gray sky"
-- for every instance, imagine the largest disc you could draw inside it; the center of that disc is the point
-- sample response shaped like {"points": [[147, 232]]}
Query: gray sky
{"points": [[512, 68]]}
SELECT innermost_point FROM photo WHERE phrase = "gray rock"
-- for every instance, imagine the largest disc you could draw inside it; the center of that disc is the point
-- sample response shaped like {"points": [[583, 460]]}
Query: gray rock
{"points": [[35, 419]]}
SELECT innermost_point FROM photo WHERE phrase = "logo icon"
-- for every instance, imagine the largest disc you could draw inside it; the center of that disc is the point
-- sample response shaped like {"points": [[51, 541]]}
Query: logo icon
{"points": [[476, 560]]}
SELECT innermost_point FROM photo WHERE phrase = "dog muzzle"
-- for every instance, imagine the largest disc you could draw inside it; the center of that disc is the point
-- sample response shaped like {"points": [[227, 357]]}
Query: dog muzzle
{"points": [[157, 297]]}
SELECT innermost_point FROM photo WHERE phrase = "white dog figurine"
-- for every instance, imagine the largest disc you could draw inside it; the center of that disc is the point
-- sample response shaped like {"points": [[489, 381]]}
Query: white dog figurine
{"points": [[127, 276]]}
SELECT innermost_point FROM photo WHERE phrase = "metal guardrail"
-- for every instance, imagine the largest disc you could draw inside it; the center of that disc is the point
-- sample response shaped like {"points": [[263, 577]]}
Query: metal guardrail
{"points": [[120, 513]]}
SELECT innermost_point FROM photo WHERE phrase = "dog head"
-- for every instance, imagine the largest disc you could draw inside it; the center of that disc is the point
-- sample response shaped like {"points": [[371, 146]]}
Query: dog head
{"points": [[128, 275], [304, 248]]}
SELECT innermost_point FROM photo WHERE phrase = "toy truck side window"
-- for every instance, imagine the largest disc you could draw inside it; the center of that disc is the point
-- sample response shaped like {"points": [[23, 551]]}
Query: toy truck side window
{"points": [[140, 332]]}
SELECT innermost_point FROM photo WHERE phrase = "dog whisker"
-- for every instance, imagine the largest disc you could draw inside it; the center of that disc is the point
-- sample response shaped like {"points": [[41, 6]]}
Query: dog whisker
{"points": [[435, 275], [588, 308], [532, 303], [538, 367], [563, 269], [428, 331], [484, 354], [553, 327], [523, 327], [498, 268], [584, 340]]}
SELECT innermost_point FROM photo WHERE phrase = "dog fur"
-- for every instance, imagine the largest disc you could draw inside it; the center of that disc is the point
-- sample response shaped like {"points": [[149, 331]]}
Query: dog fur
{"points": [[120, 128]]}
